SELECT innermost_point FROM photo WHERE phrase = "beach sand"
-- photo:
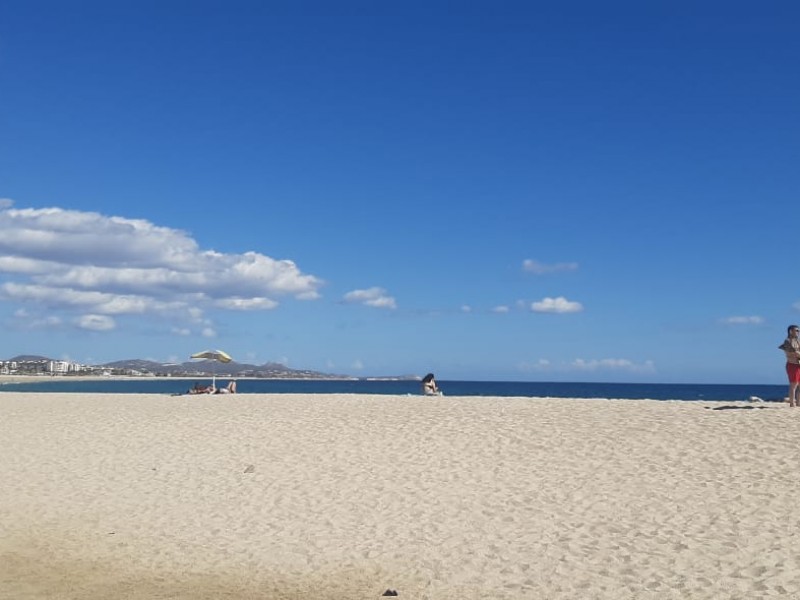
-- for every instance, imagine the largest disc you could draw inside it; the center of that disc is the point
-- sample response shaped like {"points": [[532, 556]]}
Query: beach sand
{"points": [[345, 496]]}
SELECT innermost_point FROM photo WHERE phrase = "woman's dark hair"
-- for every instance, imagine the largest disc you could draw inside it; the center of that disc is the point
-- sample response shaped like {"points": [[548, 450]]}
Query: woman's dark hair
{"points": [[789, 329], [427, 378]]}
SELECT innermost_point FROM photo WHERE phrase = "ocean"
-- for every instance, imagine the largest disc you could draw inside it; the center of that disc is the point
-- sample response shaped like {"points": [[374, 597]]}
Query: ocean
{"points": [[628, 391]]}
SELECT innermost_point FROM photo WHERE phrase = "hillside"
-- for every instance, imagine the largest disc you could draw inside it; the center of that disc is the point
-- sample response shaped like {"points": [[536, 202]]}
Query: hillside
{"points": [[199, 368]]}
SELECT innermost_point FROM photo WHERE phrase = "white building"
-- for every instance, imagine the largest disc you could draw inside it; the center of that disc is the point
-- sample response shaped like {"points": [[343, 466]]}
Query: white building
{"points": [[58, 367]]}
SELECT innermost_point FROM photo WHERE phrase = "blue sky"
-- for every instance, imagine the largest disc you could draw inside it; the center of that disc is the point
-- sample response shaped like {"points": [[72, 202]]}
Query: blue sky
{"points": [[539, 191]]}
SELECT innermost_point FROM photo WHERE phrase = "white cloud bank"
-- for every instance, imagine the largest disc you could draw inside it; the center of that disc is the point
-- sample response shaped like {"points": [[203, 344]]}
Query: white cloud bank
{"points": [[375, 297], [556, 305], [98, 265]]}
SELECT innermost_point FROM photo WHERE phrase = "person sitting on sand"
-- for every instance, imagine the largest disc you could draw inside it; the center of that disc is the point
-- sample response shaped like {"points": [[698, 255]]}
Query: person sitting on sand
{"points": [[229, 389], [429, 387]]}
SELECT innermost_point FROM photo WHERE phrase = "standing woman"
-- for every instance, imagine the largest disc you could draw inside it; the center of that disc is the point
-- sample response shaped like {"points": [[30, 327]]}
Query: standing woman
{"points": [[791, 347]]}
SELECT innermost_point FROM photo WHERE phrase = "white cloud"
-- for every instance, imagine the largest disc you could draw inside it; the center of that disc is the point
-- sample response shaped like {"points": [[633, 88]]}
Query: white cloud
{"points": [[310, 295], [556, 305], [374, 296], [102, 302], [95, 264], [47, 322], [611, 364], [357, 365], [590, 365], [246, 303], [534, 266], [500, 309], [540, 365], [751, 320], [26, 266], [95, 322], [208, 332], [466, 308]]}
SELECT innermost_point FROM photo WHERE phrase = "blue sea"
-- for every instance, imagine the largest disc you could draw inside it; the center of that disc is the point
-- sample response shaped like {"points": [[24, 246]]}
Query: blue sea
{"points": [[631, 391]]}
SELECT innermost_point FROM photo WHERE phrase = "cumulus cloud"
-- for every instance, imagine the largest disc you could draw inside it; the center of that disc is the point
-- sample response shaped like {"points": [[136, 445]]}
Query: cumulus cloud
{"points": [[374, 296], [751, 320], [537, 268], [466, 308], [556, 305], [108, 265], [500, 310]]}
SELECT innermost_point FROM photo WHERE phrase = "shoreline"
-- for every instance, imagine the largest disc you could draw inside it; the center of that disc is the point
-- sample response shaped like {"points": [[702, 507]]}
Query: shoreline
{"points": [[312, 496], [39, 378], [174, 386]]}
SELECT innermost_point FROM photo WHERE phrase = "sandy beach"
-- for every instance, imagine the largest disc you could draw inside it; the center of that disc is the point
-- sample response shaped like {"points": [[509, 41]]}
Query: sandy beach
{"points": [[345, 496]]}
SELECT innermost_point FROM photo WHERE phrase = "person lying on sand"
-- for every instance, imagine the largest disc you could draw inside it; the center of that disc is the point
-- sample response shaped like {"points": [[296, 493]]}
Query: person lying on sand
{"points": [[201, 389], [230, 389]]}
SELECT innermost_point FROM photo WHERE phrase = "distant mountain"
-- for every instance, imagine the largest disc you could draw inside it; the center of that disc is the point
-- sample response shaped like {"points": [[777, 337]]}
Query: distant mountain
{"points": [[205, 368], [134, 363], [201, 368]]}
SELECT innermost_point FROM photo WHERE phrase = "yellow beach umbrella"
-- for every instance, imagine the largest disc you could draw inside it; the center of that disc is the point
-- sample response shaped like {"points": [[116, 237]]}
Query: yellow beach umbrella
{"points": [[217, 355]]}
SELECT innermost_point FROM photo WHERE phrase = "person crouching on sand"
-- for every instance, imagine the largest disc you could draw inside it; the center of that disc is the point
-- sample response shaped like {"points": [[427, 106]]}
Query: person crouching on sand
{"points": [[429, 387], [791, 347]]}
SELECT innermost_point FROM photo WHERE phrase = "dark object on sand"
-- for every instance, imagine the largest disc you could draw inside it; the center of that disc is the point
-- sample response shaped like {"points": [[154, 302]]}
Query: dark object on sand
{"points": [[389, 593]]}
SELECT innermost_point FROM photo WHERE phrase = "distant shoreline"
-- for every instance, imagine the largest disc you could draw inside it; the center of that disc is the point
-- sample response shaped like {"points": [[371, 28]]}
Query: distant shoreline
{"points": [[38, 378], [163, 384]]}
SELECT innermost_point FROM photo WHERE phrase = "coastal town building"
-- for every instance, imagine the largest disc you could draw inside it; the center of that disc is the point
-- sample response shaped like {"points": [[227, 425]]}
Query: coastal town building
{"points": [[43, 366]]}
